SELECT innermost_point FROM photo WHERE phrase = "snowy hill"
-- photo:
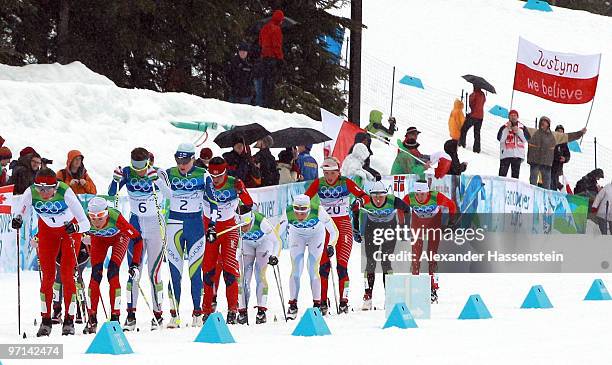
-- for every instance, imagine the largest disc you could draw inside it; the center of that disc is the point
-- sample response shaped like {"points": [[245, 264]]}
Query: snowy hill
{"points": [[57, 108], [439, 41]]}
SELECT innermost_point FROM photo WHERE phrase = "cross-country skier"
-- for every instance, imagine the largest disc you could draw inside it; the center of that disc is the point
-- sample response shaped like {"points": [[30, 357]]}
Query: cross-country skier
{"points": [[109, 229], [427, 213], [334, 192], [140, 180], [61, 220], [188, 188], [260, 248], [229, 192], [381, 213], [306, 225]]}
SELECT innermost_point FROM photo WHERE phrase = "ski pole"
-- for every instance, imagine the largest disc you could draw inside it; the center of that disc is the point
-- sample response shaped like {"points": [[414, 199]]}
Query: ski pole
{"points": [[18, 286], [80, 295], [280, 290], [241, 271], [334, 286], [147, 303], [247, 221], [164, 249]]}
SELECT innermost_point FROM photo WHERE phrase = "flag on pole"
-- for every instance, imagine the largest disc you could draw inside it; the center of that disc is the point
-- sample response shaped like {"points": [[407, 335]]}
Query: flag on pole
{"points": [[342, 133], [564, 78]]}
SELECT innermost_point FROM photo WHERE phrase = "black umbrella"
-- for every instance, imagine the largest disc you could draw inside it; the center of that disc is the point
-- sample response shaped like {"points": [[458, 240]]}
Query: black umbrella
{"points": [[479, 83], [248, 133], [290, 137]]}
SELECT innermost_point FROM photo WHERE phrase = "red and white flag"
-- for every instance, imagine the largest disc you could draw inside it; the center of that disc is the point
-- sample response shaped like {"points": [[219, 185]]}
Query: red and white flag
{"points": [[342, 133], [6, 198], [564, 78]]}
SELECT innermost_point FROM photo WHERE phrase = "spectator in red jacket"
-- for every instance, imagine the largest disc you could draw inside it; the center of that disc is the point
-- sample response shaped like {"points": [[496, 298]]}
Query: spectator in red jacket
{"points": [[272, 58], [474, 118]]}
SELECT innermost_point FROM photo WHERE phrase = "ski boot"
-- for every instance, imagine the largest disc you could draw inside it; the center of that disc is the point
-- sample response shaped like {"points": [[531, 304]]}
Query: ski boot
{"points": [[324, 307], [79, 316], [367, 302], [293, 310], [92, 325], [261, 315], [157, 321], [56, 317], [175, 321], [114, 317], [231, 317], [196, 319], [45, 327], [243, 316], [68, 327], [343, 307], [130, 322]]}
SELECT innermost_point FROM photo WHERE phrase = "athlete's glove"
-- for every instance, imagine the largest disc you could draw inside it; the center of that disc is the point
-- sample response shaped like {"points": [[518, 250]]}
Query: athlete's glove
{"points": [[211, 234], [152, 174], [330, 251], [273, 260], [357, 204], [71, 227], [17, 222], [239, 186], [134, 272], [357, 236], [118, 174]]}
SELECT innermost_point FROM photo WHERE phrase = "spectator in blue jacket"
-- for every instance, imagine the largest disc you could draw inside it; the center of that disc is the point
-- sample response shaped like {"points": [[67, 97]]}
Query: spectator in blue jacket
{"points": [[309, 169]]}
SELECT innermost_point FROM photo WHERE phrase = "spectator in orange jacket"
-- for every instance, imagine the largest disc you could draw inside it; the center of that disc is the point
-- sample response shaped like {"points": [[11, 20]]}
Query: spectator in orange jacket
{"points": [[474, 118], [272, 57], [456, 120], [75, 174]]}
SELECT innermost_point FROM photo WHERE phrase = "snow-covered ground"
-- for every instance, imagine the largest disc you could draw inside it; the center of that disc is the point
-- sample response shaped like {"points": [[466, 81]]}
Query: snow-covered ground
{"points": [[574, 331], [58, 108]]}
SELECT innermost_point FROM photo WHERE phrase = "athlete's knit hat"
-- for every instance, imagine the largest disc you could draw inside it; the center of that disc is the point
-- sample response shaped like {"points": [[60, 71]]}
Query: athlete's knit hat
{"points": [[421, 187], [330, 164], [245, 214], [301, 200], [379, 187], [217, 166], [206, 153], [97, 205], [185, 150]]}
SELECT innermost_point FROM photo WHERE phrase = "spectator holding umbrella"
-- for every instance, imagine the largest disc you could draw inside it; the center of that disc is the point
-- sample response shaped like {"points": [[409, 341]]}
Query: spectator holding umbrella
{"points": [[474, 118], [541, 151], [240, 163], [562, 156], [512, 138], [5, 159], [266, 162]]}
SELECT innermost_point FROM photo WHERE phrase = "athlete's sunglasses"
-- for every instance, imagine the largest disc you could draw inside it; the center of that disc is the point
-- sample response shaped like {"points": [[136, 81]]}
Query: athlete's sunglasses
{"points": [[43, 188], [301, 209], [140, 165], [182, 160], [98, 215]]}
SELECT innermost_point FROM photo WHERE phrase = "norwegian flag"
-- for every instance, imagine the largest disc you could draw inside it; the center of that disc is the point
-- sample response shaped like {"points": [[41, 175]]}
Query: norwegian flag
{"points": [[399, 183], [6, 196]]}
